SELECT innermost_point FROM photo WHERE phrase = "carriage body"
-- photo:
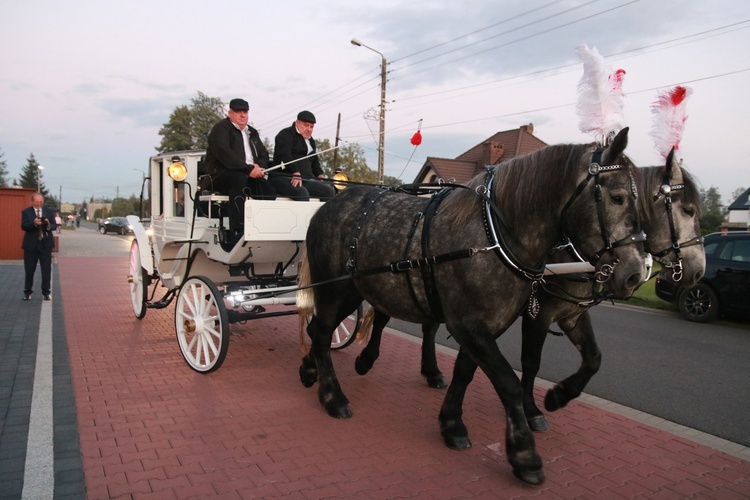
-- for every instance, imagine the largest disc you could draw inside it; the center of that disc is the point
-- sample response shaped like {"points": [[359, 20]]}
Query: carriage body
{"points": [[183, 251]]}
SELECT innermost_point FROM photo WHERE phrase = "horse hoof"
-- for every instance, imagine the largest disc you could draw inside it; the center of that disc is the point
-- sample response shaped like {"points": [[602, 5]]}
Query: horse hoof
{"points": [[457, 442], [437, 381], [307, 378], [533, 477], [538, 423], [339, 412], [361, 367], [554, 399]]}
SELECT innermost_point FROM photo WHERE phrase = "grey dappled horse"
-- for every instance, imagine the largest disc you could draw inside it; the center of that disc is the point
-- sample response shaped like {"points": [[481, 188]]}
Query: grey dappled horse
{"points": [[669, 206], [413, 260]]}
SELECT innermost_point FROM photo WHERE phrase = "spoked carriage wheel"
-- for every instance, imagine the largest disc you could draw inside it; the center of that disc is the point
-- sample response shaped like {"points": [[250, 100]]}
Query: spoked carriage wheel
{"points": [[202, 324], [346, 332], [138, 282]]}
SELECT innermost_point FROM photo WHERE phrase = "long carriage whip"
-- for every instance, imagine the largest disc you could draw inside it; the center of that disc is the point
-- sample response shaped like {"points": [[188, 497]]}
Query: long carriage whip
{"points": [[283, 165]]}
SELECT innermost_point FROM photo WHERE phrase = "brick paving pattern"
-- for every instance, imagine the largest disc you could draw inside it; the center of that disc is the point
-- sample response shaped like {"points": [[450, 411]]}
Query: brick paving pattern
{"points": [[151, 427]]}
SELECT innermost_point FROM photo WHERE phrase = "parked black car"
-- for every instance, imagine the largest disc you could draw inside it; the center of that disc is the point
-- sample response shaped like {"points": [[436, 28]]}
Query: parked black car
{"points": [[119, 225], [724, 289]]}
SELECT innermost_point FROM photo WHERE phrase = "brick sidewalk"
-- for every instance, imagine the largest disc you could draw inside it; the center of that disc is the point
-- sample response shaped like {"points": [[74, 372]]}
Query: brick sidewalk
{"points": [[151, 427]]}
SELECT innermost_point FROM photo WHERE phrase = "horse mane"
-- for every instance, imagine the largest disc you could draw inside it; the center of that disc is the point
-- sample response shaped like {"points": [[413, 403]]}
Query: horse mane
{"points": [[518, 179]]}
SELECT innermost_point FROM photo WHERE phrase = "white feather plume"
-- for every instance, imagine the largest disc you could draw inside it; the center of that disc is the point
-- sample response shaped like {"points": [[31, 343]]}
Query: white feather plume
{"points": [[669, 116], [600, 96]]}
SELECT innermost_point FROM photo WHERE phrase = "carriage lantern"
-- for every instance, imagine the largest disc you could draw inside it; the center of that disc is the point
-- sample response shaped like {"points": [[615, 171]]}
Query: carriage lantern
{"points": [[177, 170], [339, 180]]}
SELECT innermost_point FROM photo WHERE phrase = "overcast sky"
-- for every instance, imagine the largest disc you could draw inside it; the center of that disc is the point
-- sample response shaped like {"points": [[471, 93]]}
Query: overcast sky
{"points": [[86, 85]]}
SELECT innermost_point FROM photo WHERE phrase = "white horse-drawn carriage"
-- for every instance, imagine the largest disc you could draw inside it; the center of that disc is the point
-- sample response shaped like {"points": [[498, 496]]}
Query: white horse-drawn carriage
{"points": [[187, 251]]}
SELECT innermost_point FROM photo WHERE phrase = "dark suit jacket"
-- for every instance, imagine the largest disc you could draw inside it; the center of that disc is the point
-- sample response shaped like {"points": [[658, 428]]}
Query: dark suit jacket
{"points": [[226, 151], [31, 239], [289, 146]]}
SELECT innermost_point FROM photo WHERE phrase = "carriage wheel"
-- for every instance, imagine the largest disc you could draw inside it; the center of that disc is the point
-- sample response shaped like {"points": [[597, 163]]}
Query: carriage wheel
{"points": [[202, 324], [138, 281], [346, 332]]}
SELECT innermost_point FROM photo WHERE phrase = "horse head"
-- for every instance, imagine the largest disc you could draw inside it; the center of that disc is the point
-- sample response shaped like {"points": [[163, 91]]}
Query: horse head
{"points": [[671, 207], [602, 219]]}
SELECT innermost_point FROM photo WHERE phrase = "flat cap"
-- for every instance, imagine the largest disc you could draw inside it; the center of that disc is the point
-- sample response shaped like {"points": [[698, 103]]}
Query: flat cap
{"points": [[306, 116], [238, 105]]}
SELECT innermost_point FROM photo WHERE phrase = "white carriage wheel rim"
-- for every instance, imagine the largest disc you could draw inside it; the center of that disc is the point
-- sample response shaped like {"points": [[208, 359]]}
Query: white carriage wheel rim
{"points": [[136, 273], [203, 347]]}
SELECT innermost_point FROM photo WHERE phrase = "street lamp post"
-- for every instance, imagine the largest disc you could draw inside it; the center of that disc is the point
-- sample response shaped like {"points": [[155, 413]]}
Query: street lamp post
{"points": [[39, 168], [381, 139]]}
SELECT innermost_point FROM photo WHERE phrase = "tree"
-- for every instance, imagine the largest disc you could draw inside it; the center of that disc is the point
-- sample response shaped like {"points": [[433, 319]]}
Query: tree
{"points": [[31, 176], [122, 207], [3, 171], [188, 127], [350, 159], [205, 111], [713, 212]]}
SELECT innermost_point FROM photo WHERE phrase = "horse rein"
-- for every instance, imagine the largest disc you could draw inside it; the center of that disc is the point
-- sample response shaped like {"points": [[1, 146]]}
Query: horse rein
{"points": [[666, 190]]}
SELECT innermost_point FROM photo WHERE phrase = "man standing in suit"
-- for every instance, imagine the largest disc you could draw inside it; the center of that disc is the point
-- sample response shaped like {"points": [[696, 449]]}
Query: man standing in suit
{"points": [[38, 223]]}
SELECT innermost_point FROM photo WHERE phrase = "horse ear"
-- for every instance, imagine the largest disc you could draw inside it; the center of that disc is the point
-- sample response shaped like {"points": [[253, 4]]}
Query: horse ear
{"points": [[672, 169], [617, 146], [670, 162]]}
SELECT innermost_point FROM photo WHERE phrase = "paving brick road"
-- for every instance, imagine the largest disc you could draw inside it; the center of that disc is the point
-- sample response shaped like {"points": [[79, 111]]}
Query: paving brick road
{"points": [[129, 419]]}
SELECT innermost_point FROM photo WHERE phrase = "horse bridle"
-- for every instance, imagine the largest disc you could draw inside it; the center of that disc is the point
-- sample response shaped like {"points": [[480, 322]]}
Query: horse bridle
{"points": [[666, 190], [595, 169]]}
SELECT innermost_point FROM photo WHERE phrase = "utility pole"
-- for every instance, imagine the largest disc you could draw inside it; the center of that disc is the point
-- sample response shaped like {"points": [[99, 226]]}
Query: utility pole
{"points": [[336, 143]]}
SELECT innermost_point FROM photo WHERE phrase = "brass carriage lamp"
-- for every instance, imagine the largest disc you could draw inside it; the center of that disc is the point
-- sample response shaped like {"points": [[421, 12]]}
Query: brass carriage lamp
{"points": [[339, 180], [177, 171]]}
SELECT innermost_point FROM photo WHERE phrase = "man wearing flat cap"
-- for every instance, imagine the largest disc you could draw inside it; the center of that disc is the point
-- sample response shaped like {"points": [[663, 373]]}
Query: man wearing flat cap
{"points": [[236, 159], [295, 147]]}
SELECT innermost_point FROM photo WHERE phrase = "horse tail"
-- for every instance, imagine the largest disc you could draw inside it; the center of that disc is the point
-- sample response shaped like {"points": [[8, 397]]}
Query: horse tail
{"points": [[305, 299], [365, 327]]}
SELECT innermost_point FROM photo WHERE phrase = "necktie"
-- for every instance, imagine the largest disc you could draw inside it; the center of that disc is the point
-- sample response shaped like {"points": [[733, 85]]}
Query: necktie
{"points": [[40, 234]]}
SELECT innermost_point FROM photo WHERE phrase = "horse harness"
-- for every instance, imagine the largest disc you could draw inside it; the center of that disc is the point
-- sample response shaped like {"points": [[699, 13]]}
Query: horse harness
{"points": [[666, 191], [492, 219]]}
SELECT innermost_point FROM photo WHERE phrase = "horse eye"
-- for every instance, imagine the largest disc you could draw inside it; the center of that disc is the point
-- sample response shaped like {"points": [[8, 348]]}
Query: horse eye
{"points": [[689, 211], [617, 199]]}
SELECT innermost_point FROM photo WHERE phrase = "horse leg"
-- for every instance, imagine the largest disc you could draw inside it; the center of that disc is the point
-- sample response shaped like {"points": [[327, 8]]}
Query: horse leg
{"points": [[452, 428], [430, 370], [330, 394], [534, 333], [582, 336], [520, 447], [308, 370], [371, 352]]}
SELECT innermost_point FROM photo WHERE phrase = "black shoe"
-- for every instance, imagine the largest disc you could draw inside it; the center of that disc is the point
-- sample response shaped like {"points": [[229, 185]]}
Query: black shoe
{"points": [[47, 296], [26, 296]]}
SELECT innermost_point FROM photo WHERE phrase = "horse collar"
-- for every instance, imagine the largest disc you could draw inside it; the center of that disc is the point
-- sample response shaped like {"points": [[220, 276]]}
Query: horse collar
{"points": [[493, 218]]}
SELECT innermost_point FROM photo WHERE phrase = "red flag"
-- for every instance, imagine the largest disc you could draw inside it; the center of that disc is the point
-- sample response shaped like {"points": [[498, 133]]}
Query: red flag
{"points": [[416, 139]]}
